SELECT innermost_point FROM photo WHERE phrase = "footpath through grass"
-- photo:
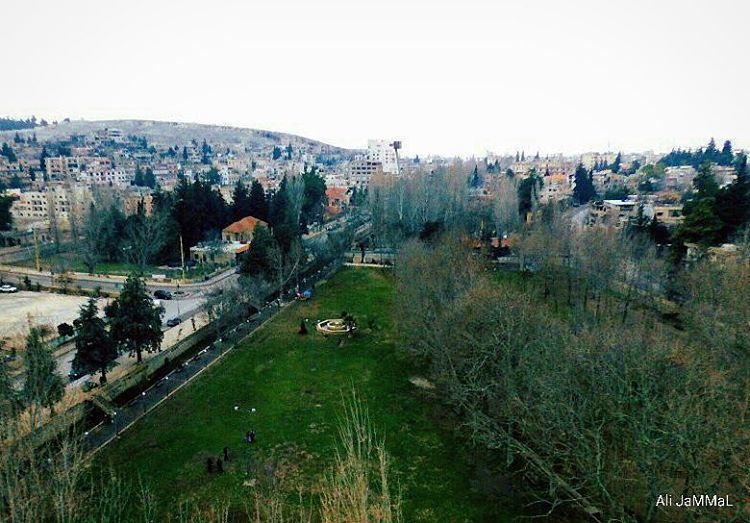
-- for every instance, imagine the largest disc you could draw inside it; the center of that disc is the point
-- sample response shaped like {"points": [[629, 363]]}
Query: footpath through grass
{"points": [[296, 385]]}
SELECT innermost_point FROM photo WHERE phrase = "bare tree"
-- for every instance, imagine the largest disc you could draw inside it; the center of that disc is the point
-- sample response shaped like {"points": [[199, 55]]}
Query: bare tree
{"points": [[145, 237]]}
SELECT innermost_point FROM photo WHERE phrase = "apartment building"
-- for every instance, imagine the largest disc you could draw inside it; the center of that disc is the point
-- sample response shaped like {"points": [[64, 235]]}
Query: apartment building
{"points": [[118, 177], [362, 171], [55, 202], [384, 152], [59, 167]]}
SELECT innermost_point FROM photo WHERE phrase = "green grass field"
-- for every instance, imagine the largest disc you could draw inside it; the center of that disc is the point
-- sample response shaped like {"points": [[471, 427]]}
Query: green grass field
{"points": [[297, 385]]}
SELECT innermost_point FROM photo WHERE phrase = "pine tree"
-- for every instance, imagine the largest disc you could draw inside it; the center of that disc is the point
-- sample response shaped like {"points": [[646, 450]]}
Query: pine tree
{"points": [[258, 205], [134, 319], [476, 181], [138, 179], [313, 205], [616, 164], [43, 160], [583, 191], [43, 386], [240, 207], [704, 182], [94, 346], [733, 202], [256, 262], [727, 156], [149, 179], [7, 151]]}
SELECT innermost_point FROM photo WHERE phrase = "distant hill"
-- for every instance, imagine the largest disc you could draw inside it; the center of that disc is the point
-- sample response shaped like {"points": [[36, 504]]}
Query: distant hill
{"points": [[175, 133]]}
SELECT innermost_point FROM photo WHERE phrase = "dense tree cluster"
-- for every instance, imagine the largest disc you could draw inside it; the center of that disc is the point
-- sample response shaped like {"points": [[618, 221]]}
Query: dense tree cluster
{"points": [[7, 151], [710, 154], [11, 124], [715, 215], [563, 381]]}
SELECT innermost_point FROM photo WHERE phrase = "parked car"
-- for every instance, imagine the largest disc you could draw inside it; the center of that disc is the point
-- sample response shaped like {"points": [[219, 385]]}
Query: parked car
{"points": [[8, 288], [173, 322], [162, 295], [72, 375]]}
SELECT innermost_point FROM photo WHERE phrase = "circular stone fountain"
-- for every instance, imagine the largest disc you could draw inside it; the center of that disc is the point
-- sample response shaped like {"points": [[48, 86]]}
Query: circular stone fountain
{"points": [[335, 326]]}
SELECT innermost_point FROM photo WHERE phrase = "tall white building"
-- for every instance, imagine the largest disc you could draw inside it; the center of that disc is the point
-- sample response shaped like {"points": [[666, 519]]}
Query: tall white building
{"points": [[384, 152]]}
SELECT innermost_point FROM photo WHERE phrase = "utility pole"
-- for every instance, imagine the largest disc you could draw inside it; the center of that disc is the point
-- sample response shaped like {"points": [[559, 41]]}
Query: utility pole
{"points": [[182, 258]]}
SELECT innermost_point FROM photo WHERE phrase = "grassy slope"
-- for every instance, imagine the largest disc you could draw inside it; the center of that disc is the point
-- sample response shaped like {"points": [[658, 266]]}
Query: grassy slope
{"points": [[296, 384]]}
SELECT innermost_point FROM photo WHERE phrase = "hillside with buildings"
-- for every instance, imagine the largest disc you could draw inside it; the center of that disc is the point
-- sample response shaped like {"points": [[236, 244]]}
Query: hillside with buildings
{"points": [[172, 133]]}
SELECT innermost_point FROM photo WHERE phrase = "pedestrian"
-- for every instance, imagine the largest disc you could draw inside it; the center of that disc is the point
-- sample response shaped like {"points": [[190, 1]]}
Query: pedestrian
{"points": [[210, 465], [226, 453], [252, 436]]}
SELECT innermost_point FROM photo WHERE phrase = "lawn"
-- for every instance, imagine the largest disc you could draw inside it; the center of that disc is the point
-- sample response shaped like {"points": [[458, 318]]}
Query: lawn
{"points": [[296, 384]]}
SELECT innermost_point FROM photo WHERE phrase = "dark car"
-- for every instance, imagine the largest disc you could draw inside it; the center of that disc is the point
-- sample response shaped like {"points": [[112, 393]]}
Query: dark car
{"points": [[162, 295], [72, 375], [173, 322]]}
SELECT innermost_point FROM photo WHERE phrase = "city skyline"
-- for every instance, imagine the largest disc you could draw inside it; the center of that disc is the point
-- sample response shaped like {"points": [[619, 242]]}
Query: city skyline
{"points": [[630, 77]]}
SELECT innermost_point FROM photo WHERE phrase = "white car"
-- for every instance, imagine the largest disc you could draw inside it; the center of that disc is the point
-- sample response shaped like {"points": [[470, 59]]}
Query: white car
{"points": [[8, 288]]}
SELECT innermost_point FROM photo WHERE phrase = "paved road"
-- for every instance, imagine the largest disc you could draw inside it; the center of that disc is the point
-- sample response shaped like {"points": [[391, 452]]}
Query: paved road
{"points": [[112, 283]]}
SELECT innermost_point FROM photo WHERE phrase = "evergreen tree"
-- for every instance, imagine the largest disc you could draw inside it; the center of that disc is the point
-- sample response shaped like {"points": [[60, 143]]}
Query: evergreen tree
{"points": [[726, 156], [134, 319], [7, 151], [276, 153], [705, 182], [289, 151], [476, 181], [240, 202], [149, 179], [42, 386], [6, 218], [258, 205], [256, 262], [94, 346], [583, 191], [184, 154], [733, 202], [528, 188], [43, 160], [313, 205], [616, 164], [284, 226], [138, 179]]}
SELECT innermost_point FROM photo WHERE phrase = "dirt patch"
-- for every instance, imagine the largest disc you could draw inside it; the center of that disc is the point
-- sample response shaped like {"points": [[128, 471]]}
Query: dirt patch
{"points": [[422, 383]]}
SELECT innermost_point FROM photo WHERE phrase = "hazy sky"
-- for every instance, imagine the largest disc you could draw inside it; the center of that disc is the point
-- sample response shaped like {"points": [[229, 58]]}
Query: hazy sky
{"points": [[458, 77]]}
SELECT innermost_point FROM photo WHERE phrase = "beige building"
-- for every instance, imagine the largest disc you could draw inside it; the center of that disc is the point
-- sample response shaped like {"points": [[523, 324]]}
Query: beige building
{"points": [[668, 214], [241, 230], [612, 213], [55, 203]]}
